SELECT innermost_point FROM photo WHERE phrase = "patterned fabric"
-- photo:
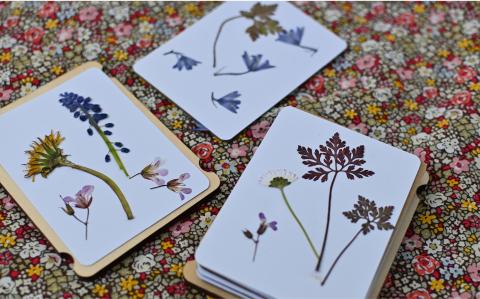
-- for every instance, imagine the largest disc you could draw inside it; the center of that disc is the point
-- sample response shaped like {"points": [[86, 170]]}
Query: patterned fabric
{"points": [[409, 78]]}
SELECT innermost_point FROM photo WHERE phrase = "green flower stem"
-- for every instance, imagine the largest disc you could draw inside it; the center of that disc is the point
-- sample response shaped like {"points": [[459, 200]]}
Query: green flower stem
{"points": [[107, 141], [299, 222], [108, 181], [340, 255]]}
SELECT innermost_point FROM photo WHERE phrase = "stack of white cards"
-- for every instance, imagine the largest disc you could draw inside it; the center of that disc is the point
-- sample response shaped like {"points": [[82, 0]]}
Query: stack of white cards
{"points": [[318, 207]]}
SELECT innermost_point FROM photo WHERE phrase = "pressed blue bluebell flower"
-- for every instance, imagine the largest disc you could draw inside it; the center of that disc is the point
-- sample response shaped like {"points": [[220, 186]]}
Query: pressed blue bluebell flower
{"points": [[183, 61], [252, 62], [228, 101], [294, 37], [86, 111]]}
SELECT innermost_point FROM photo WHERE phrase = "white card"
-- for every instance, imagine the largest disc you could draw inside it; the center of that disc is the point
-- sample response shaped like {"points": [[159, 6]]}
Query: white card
{"points": [[269, 235], [84, 183], [251, 76]]}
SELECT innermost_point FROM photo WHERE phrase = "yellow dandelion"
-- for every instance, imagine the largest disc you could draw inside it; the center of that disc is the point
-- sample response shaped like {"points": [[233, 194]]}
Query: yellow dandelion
{"points": [[46, 155]]}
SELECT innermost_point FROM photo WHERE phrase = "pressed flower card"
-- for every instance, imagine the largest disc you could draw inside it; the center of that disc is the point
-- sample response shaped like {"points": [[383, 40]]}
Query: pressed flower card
{"points": [[237, 62], [93, 168], [319, 206]]}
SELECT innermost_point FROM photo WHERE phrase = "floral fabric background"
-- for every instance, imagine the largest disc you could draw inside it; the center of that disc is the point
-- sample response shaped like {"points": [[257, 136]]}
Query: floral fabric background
{"points": [[409, 78]]}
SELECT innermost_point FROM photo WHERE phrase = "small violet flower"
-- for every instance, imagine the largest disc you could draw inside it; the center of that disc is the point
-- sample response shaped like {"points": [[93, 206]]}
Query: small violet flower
{"points": [[153, 171], [83, 200], [228, 101], [294, 38], [183, 61], [262, 228]]}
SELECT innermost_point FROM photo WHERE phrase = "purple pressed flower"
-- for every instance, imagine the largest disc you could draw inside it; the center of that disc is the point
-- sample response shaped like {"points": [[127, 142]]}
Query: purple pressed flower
{"points": [[228, 101], [183, 61], [263, 220], [153, 172], [294, 37], [177, 185], [83, 200]]}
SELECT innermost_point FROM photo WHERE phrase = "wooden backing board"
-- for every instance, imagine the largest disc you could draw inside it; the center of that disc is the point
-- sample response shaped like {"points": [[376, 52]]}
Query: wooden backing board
{"points": [[16, 193]]}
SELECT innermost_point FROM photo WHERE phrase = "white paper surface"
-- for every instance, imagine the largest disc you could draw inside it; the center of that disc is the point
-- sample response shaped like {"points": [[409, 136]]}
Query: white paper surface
{"points": [[284, 265], [108, 226], [259, 91]]}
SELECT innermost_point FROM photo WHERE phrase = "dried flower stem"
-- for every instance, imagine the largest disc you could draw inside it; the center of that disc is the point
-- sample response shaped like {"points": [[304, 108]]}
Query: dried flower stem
{"points": [[84, 222], [255, 248], [305, 233], [327, 226], [218, 35], [108, 181], [339, 256]]}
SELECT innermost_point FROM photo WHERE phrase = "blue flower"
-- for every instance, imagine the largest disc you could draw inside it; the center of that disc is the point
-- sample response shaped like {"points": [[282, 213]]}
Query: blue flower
{"points": [[228, 101], [294, 37], [252, 62], [183, 61], [83, 109]]}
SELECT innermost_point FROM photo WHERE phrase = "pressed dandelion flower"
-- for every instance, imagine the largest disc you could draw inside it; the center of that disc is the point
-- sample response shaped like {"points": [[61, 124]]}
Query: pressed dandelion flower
{"points": [[46, 155]]}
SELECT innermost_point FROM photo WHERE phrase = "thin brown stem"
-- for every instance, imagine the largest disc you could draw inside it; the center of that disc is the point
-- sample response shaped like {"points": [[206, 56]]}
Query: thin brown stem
{"points": [[256, 247], [327, 226], [158, 187], [135, 175], [218, 35], [339, 256]]}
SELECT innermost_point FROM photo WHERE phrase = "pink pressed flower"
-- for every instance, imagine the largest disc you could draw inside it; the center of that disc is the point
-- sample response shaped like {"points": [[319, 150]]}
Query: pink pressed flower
{"points": [[405, 74], [88, 14], [360, 128], [436, 17], [474, 271], [122, 30], [430, 92], [459, 166], [366, 62], [461, 98], [181, 228], [34, 35], [465, 74], [177, 185], [260, 130], [49, 9], [83, 198], [237, 151], [65, 34], [5, 94], [346, 83]]}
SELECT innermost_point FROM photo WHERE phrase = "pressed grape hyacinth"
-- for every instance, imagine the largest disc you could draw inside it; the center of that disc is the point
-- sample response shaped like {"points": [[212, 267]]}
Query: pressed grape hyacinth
{"points": [[86, 111]]}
